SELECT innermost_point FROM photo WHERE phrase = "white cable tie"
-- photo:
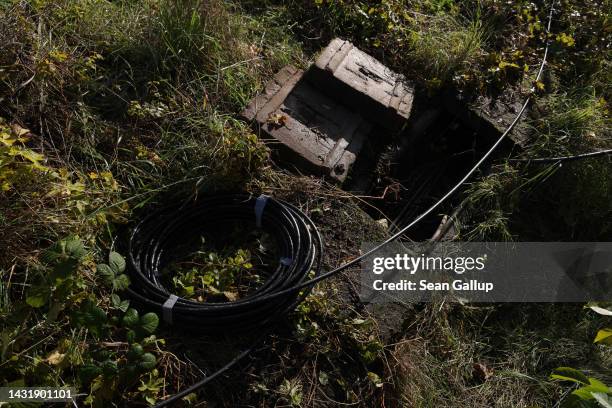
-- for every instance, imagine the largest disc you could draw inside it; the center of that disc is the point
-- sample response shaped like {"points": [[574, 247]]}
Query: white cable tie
{"points": [[260, 204], [167, 308]]}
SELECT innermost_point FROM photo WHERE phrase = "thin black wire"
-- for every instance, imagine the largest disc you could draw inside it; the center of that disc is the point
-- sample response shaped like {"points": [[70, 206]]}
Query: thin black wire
{"points": [[565, 158], [309, 283], [206, 380]]}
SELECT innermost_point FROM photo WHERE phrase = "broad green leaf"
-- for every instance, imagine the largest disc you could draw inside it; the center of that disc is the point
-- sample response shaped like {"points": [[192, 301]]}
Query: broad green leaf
{"points": [[121, 282], [109, 368], [140, 326], [115, 300], [584, 393], [31, 155], [131, 336], [96, 314], [75, 248], [106, 273], [595, 386], [147, 362], [599, 385], [604, 336], [130, 319], [116, 262], [51, 255], [92, 317], [125, 304], [135, 352], [149, 322], [37, 297], [569, 374], [70, 247], [119, 304]]}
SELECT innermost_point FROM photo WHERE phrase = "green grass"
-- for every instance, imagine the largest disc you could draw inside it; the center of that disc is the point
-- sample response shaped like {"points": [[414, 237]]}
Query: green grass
{"points": [[518, 345], [442, 46], [132, 103]]}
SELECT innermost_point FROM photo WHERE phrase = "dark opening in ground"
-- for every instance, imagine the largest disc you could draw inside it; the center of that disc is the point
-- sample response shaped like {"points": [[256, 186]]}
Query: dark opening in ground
{"points": [[415, 170]]}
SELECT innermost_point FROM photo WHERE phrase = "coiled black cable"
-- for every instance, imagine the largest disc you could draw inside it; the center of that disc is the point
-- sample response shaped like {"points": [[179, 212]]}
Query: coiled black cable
{"points": [[159, 236]]}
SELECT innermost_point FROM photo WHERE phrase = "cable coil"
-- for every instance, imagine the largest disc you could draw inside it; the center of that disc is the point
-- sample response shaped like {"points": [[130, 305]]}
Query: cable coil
{"points": [[155, 239]]}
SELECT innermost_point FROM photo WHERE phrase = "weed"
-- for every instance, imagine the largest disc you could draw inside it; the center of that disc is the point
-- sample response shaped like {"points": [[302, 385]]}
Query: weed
{"points": [[443, 47], [106, 103]]}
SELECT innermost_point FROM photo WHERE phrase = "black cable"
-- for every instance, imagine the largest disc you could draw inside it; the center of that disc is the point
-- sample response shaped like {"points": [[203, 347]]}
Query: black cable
{"points": [[205, 380], [161, 237], [448, 194], [451, 191], [565, 158], [158, 238], [296, 234]]}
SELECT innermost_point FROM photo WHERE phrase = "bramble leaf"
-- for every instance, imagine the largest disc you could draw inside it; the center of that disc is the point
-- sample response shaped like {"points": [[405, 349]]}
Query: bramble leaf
{"points": [[147, 362], [75, 248], [92, 317], [135, 352], [149, 322], [37, 296], [109, 368], [116, 262], [131, 336], [121, 282], [106, 273], [119, 304], [130, 319]]}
